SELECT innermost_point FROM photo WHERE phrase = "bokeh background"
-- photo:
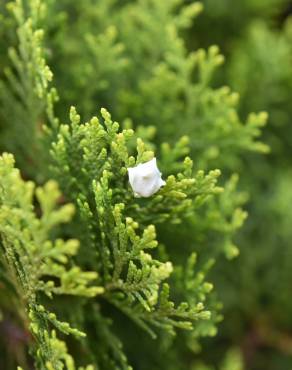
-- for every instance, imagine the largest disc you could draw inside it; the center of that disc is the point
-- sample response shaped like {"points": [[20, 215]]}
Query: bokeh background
{"points": [[255, 36]]}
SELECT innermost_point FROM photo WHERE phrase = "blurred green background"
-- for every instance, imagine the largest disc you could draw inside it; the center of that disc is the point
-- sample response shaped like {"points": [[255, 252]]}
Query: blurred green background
{"points": [[255, 36]]}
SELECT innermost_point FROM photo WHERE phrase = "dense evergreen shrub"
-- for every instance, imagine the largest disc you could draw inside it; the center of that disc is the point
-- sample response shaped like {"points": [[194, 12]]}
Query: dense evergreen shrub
{"points": [[93, 277]]}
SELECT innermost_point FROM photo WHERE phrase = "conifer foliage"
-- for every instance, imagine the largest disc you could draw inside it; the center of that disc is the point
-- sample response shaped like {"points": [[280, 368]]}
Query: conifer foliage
{"points": [[89, 268]]}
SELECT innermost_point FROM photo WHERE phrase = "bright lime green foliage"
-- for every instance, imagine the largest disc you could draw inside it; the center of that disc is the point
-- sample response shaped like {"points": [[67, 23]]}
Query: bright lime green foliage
{"points": [[90, 163], [36, 264], [123, 282], [24, 91], [131, 276]]}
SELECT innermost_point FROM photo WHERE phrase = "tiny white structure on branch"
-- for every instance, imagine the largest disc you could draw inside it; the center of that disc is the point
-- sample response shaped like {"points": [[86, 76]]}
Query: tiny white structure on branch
{"points": [[145, 179]]}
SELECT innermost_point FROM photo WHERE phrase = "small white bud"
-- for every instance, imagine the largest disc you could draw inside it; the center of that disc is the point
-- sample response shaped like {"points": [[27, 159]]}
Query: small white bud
{"points": [[145, 179]]}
